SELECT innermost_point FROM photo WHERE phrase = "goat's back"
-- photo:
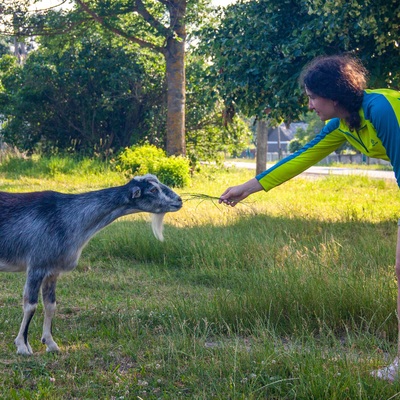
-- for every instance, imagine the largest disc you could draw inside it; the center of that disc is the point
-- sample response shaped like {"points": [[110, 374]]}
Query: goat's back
{"points": [[31, 228]]}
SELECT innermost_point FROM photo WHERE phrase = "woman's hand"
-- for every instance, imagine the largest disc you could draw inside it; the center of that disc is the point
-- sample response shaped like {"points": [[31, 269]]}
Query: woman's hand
{"points": [[234, 194]]}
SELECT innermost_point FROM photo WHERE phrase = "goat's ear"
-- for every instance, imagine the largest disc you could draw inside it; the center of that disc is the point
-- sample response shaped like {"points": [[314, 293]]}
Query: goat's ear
{"points": [[136, 192]]}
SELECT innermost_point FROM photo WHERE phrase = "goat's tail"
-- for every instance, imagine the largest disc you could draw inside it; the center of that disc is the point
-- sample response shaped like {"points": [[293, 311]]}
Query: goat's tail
{"points": [[157, 226]]}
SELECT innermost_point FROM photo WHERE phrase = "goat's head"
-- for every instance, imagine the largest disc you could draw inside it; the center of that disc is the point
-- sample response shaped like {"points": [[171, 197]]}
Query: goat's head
{"points": [[148, 194]]}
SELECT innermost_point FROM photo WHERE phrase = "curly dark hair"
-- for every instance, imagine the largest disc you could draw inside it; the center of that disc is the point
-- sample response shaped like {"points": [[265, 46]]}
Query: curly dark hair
{"points": [[341, 78]]}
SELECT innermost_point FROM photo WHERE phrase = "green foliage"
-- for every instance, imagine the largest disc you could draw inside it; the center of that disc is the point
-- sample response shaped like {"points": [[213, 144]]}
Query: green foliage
{"points": [[5, 43], [303, 136], [295, 145], [85, 95], [174, 171], [156, 26], [81, 93], [213, 142], [148, 159], [258, 48], [314, 126], [367, 28], [208, 135], [140, 159], [8, 67], [255, 59]]}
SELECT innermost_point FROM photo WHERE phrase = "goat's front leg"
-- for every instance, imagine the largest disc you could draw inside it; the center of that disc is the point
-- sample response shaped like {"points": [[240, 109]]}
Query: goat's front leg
{"points": [[49, 302], [31, 294], [391, 372]]}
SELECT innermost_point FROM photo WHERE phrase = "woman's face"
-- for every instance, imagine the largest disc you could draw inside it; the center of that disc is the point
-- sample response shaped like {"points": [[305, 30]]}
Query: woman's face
{"points": [[325, 108]]}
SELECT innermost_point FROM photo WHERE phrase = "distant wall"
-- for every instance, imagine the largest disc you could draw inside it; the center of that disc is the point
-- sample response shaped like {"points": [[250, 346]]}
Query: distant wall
{"points": [[352, 159], [331, 159]]}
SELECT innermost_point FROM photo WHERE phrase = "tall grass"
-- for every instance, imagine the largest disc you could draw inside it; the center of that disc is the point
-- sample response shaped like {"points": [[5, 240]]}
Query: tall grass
{"points": [[56, 173], [290, 295]]}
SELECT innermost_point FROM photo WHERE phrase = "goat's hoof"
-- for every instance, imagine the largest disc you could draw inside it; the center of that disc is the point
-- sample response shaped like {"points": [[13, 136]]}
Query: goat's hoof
{"points": [[22, 347], [53, 349], [24, 350], [51, 346]]}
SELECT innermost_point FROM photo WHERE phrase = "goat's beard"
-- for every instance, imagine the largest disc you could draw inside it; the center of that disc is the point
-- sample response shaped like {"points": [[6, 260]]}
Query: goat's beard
{"points": [[157, 226]]}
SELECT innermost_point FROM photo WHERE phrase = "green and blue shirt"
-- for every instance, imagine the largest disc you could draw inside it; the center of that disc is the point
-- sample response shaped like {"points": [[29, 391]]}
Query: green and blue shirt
{"points": [[378, 137]]}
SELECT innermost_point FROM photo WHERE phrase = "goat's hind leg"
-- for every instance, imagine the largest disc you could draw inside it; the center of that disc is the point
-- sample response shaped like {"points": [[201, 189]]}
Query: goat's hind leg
{"points": [[49, 302], [31, 294]]}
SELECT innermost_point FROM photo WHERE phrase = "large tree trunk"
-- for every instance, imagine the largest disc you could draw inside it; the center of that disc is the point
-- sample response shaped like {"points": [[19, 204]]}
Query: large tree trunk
{"points": [[262, 146], [175, 139], [174, 53], [176, 82]]}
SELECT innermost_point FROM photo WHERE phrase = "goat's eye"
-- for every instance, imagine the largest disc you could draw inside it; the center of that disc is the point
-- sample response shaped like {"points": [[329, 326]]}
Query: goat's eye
{"points": [[153, 190]]}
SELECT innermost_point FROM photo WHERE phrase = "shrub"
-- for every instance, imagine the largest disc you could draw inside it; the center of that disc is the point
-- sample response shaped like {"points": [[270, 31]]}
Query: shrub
{"points": [[140, 160], [148, 159], [174, 171]]}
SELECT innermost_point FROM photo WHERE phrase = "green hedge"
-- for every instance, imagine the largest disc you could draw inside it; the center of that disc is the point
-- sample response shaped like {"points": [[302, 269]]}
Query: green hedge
{"points": [[148, 159]]}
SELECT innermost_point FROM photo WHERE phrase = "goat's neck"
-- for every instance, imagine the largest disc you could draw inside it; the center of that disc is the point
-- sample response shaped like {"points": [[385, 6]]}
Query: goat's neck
{"points": [[98, 209]]}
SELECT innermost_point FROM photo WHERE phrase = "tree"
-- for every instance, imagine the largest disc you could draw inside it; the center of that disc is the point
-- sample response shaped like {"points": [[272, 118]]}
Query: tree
{"points": [[5, 46], [89, 92], [257, 49], [173, 49], [253, 65], [86, 95], [369, 28], [303, 136], [157, 25], [208, 134]]}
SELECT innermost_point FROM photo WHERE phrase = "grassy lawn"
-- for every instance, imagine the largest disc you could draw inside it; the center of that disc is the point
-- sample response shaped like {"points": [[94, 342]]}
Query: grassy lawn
{"points": [[290, 295]]}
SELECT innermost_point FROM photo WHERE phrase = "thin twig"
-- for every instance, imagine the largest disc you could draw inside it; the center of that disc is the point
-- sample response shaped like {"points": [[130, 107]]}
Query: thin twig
{"points": [[204, 197], [201, 197]]}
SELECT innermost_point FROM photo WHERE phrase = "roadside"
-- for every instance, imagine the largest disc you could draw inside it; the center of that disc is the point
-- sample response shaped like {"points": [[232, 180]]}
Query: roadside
{"points": [[327, 171]]}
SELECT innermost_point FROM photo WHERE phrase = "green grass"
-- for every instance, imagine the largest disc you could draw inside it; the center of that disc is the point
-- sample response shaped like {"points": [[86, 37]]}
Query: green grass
{"points": [[290, 295]]}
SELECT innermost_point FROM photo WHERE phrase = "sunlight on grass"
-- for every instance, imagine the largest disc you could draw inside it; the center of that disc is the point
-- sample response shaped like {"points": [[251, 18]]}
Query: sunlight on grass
{"points": [[289, 295]]}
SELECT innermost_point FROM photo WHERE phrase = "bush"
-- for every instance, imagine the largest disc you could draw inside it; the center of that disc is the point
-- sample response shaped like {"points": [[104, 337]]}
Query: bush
{"points": [[174, 171], [148, 159], [140, 160]]}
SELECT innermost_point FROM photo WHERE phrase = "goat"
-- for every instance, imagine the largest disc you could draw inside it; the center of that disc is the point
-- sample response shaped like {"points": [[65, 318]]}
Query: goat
{"points": [[43, 234]]}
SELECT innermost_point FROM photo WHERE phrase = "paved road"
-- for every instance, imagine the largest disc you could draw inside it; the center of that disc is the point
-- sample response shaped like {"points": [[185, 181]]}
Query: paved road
{"points": [[329, 171]]}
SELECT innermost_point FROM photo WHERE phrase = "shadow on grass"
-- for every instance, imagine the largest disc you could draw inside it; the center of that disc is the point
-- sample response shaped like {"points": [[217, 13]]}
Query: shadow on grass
{"points": [[291, 273], [315, 299]]}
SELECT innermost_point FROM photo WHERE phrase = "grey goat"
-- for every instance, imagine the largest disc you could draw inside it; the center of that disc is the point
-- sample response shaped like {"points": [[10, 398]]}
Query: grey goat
{"points": [[43, 233]]}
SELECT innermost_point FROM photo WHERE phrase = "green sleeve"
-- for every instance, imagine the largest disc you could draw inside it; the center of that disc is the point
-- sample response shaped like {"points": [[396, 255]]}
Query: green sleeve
{"points": [[327, 141]]}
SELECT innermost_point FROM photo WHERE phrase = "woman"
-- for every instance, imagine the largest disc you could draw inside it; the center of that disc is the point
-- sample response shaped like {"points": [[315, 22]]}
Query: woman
{"points": [[368, 119]]}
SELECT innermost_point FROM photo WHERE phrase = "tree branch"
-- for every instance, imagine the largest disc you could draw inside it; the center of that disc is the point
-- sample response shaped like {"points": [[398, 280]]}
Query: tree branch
{"points": [[118, 31], [141, 9]]}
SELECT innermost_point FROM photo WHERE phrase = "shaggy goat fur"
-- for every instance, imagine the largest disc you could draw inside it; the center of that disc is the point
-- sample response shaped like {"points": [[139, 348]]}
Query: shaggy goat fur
{"points": [[43, 234]]}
